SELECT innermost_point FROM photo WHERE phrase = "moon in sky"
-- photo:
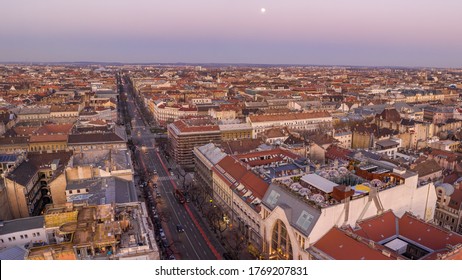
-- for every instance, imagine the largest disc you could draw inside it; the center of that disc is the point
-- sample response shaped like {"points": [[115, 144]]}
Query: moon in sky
{"points": [[263, 10]]}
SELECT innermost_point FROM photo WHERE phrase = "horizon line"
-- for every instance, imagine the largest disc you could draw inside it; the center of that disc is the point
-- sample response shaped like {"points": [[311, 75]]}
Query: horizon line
{"points": [[222, 64]]}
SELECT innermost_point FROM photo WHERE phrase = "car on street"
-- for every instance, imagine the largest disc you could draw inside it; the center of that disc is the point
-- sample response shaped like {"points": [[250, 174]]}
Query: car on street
{"points": [[162, 234], [164, 243], [179, 228]]}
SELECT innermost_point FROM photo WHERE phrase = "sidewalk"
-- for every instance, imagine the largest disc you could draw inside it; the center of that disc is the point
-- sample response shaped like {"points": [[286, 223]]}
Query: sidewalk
{"points": [[227, 236], [204, 223], [205, 226]]}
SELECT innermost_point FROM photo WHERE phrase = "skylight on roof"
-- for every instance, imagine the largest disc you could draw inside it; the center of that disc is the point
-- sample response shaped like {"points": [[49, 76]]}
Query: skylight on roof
{"points": [[305, 220], [273, 198]]}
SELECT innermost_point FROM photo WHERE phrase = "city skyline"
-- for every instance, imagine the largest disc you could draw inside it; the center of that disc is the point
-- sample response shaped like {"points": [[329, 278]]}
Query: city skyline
{"points": [[356, 33]]}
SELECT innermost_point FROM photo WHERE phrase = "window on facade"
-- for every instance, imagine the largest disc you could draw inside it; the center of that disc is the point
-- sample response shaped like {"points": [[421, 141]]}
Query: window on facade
{"points": [[281, 247], [38, 233], [33, 234], [26, 236], [22, 236], [9, 239], [14, 237]]}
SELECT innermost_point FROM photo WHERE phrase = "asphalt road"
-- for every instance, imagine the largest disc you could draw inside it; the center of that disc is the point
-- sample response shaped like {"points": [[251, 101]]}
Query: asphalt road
{"points": [[195, 243]]}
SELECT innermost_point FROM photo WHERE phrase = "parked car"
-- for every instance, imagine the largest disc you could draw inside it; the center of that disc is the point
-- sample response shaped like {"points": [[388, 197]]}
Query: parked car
{"points": [[162, 234]]}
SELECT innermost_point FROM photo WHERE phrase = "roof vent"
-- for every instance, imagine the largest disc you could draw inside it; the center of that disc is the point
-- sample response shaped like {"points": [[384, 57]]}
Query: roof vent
{"points": [[55, 164]]}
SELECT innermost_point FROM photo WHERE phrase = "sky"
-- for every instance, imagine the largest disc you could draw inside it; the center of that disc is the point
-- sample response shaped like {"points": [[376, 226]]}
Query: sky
{"points": [[318, 32]]}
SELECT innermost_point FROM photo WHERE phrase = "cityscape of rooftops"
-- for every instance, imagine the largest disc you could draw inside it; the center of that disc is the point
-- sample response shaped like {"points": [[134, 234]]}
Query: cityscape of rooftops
{"points": [[230, 130]]}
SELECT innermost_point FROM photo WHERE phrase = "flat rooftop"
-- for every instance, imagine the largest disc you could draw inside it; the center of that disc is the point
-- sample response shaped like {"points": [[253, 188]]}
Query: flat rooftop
{"points": [[103, 191]]}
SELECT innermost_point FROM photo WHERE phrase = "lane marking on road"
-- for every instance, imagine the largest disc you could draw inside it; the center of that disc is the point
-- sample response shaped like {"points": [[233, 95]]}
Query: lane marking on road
{"points": [[193, 218], [176, 215]]}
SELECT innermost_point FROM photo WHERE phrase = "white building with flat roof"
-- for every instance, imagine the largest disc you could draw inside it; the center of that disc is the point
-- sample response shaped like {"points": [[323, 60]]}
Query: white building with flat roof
{"points": [[20, 232], [297, 213]]}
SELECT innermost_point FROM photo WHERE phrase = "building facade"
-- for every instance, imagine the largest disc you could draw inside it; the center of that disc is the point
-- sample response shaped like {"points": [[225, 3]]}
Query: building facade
{"points": [[186, 134], [310, 121]]}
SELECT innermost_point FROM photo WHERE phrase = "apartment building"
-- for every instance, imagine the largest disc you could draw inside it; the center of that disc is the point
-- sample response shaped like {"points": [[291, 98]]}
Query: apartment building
{"points": [[310, 121], [186, 134], [29, 186]]}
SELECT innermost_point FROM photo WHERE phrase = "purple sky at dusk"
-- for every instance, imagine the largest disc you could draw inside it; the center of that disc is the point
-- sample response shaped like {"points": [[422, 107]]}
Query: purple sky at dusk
{"points": [[328, 32]]}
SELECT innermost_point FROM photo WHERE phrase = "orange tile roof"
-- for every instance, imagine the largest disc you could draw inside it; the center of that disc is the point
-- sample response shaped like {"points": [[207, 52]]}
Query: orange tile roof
{"points": [[25, 130], [48, 138], [182, 126], [232, 167], [55, 128], [255, 184], [64, 108], [335, 152], [387, 226], [289, 116], [379, 227], [237, 171], [340, 246], [429, 235], [451, 156], [456, 199]]}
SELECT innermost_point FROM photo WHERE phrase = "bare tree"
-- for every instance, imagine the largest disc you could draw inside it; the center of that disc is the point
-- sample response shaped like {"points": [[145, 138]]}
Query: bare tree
{"points": [[181, 176], [236, 243], [165, 215], [198, 196]]}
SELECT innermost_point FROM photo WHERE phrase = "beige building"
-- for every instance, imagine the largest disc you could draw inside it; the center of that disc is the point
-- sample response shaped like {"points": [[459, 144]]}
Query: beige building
{"points": [[5, 211], [205, 158], [310, 121], [448, 212], [295, 216], [235, 131], [80, 143], [64, 111], [238, 192], [48, 143], [220, 114], [446, 145], [14, 145], [344, 138], [97, 232], [29, 185], [165, 113], [33, 113]]}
